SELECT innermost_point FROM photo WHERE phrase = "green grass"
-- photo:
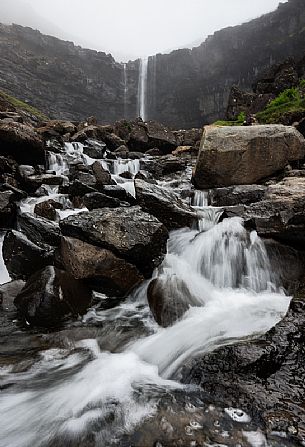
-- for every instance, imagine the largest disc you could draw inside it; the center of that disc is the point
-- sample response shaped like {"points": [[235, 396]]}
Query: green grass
{"points": [[290, 100], [23, 106], [240, 119]]}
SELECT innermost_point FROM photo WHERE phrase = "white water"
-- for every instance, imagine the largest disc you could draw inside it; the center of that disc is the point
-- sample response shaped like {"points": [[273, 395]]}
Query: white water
{"points": [[228, 287], [4, 276], [142, 89]]}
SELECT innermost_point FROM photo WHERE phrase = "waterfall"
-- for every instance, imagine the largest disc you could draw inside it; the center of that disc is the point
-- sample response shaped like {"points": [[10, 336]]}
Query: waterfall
{"points": [[142, 89], [125, 83]]}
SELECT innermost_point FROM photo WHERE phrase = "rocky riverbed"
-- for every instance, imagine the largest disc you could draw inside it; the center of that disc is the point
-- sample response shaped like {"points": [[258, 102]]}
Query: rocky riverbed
{"points": [[139, 311]]}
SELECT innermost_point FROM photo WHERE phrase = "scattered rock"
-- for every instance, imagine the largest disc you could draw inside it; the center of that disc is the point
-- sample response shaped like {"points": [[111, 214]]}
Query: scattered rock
{"points": [[119, 193], [39, 230], [50, 295], [48, 209], [164, 205], [107, 273], [162, 166], [95, 200], [95, 149], [103, 177], [129, 233]]}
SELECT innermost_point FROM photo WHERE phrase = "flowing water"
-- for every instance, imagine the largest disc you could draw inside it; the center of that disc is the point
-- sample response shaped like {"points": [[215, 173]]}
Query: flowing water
{"points": [[142, 89], [91, 389]]}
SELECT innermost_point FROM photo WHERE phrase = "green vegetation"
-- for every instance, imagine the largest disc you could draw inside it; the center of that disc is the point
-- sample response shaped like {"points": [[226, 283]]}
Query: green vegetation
{"points": [[238, 122], [290, 100], [18, 104]]}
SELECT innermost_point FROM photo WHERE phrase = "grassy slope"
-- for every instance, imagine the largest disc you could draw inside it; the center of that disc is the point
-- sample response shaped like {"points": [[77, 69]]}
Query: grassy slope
{"points": [[22, 106]]}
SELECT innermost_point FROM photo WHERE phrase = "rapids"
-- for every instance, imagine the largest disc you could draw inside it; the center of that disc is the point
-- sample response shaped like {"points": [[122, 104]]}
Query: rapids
{"points": [[90, 391]]}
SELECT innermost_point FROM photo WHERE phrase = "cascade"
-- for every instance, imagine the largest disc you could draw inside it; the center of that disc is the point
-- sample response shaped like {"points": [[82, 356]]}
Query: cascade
{"points": [[142, 89], [90, 389]]}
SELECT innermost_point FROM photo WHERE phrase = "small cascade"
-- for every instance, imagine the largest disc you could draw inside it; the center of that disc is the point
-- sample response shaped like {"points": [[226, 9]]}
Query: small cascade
{"points": [[200, 199], [142, 89], [210, 215], [56, 163]]}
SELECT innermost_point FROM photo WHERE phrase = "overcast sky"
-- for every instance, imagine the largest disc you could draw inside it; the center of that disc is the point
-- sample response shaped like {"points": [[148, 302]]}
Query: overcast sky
{"points": [[133, 28]]}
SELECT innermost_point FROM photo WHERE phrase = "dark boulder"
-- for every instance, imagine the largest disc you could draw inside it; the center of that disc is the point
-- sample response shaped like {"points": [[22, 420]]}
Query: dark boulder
{"points": [[129, 233], [104, 271], [79, 189], [95, 200], [119, 193], [167, 299], [21, 142], [23, 257], [161, 137], [95, 149], [237, 195], [162, 166], [39, 230], [102, 176], [7, 209], [164, 205], [8, 293], [50, 295]]}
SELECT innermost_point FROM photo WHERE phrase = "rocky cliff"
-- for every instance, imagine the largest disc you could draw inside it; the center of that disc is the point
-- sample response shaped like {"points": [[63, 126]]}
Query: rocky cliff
{"points": [[185, 88]]}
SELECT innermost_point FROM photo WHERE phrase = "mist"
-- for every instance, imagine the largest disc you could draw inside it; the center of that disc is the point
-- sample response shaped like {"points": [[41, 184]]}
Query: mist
{"points": [[134, 28]]}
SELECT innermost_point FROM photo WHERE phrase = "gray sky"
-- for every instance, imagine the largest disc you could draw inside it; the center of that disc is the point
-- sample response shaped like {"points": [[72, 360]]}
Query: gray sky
{"points": [[132, 28]]}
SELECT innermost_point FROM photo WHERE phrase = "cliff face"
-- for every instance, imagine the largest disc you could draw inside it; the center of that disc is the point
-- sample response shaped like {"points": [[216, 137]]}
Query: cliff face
{"points": [[192, 86], [185, 88], [63, 80]]}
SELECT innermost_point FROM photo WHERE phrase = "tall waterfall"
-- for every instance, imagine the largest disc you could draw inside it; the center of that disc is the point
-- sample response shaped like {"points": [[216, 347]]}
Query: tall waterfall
{"points": [[125, 83], [142, 89]]}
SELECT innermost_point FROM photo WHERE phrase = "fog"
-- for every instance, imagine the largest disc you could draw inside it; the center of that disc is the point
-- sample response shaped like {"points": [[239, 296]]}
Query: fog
{"points": [[132, 28]]}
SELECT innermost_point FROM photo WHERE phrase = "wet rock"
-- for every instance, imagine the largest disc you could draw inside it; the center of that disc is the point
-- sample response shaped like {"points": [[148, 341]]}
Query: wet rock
{"points": [[86, 178], [119, 193], [113, 141], [280, 214], [26, 171], [33, 182], [7, 209], [105, 272], [23, 257], [135, 155], [95, 149], [161, 137], [153, 152], [48, 209], [8, 293], [50, 295], [18, 194], [122, 151], [95, 200], [263, 377], [59, 126], [242, 155], [102, 176], [21, 142], [39, 230], [129, 233], [164, 205], [167, 299], [162, 166], [236, 195], [127, 175], [79, 189], [287, 263]]}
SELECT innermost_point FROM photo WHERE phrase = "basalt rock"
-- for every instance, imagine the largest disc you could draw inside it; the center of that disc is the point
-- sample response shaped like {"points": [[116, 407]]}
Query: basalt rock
{"points": [[102, 176], [23, 257], [94, 149], [117, 192], [50, 295], [242, 155], [47, 209], [7, 209], [164, 205], [104, 271], [129, 233]]}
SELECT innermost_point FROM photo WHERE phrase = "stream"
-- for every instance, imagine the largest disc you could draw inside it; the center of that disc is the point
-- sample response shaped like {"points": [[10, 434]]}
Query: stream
{"points": [[98, 381]]}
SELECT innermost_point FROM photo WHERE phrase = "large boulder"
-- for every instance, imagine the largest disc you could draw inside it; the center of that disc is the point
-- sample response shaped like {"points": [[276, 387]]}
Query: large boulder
{"points": [[164, 205], [23, 257], [242, 155], [105, 272], [95, 200], [161, 166], [236, 195], [21, 142], [129, 233], [39, 230], [50, 295], [7, 209], [161, 137]]}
